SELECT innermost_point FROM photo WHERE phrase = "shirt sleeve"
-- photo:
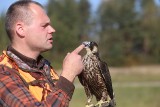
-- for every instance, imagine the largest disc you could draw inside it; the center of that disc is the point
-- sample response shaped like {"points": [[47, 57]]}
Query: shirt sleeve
{"points": [[14, 93]]}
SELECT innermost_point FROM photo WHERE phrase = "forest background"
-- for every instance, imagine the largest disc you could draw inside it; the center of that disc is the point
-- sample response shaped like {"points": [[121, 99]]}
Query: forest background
{"points": [[127, 31]]}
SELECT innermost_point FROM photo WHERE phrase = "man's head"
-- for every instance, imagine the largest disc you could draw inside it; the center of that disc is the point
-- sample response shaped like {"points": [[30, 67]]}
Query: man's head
{"points": [[28, 25], [18, 11]]}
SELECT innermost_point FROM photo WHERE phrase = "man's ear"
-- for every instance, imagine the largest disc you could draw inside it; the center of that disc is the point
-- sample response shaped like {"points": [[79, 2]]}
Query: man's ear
{"points": [[20, 29]]}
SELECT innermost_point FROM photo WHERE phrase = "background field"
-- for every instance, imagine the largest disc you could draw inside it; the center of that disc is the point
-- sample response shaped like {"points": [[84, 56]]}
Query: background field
{"points": [[133, 86]]}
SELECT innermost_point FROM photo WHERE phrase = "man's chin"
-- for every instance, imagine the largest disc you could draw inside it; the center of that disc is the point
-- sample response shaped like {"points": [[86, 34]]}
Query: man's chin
{"points": [[47, 49]]}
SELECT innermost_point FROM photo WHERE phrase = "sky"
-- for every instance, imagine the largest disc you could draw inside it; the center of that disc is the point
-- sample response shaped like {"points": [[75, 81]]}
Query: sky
{"points": [[94, 4], [6, 3]]}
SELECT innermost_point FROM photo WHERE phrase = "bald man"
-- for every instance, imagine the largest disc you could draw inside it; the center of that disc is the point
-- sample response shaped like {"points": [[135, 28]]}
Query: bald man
{"points": [[26, 78]]}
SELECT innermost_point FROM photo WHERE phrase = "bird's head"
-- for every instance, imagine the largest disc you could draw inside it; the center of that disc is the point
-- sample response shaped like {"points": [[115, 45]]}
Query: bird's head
{"points": [[91, 47]]}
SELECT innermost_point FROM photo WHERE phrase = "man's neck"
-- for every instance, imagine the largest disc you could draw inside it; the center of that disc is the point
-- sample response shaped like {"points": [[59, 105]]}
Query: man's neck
{"points": [[26, 52]]}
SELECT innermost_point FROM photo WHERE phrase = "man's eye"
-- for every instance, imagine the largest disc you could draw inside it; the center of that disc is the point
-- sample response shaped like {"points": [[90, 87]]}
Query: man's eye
{"points": [[45, 25]]}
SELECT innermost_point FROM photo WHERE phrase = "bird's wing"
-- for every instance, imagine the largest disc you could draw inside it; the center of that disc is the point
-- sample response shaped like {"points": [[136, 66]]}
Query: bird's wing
{"points": [[107, 78], [82, 81], [80, 77]]}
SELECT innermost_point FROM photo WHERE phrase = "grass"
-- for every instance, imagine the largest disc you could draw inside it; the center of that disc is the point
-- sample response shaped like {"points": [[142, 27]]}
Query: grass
{"points": [[126, 96], [79, 98], [135, 77], [138, 97]]}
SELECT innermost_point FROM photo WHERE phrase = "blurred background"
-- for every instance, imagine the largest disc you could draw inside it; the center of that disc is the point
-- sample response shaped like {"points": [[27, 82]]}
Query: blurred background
{"points": [[128, 35]]}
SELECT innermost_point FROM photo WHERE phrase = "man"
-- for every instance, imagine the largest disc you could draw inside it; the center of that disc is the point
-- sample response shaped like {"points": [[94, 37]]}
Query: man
{"points": [[26, 78]]}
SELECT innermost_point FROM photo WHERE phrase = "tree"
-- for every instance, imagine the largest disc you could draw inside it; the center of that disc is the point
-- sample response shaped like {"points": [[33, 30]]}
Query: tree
{"points": [[118, 25], [130, 34], [3, 36], [150, 30], [84, 16], [70, 20]]}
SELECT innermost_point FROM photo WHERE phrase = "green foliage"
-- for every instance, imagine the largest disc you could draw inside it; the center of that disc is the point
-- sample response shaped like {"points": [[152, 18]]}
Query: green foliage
{"points": [[70, 19], [3, 37], [64, 19], [127, 36], [84, 16]]}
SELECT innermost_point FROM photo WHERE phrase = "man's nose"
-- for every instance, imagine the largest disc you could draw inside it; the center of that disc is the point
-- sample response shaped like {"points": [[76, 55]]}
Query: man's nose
{"points": [[51, 29]]}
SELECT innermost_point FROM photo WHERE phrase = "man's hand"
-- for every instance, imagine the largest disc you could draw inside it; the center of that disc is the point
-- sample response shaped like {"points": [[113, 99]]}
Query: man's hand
{"points": [[72, 64]]}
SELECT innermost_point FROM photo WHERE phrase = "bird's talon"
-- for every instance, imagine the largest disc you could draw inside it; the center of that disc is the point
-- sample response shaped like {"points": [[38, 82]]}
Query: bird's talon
{"points": [[90, 105], [102, 104]]}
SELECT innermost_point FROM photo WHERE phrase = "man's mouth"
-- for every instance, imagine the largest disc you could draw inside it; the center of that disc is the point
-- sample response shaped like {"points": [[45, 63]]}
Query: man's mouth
{"points": [[50, 39]]}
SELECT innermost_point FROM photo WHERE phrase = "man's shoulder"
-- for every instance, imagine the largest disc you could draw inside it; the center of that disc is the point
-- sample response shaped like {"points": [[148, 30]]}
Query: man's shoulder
{"points": [[5, 70], [2, 56], [8, 75]]}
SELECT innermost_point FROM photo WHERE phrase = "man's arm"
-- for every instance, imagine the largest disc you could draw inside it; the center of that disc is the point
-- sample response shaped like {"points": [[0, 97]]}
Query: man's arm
{"points": [[14, 93]]}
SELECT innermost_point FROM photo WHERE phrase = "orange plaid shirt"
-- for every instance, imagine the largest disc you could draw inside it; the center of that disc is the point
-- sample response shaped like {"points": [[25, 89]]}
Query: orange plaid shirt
{"points": [[23, 88]]}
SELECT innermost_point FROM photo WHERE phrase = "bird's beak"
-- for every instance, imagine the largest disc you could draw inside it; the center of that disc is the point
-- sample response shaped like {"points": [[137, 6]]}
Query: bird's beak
{"points": [[86, 43]]}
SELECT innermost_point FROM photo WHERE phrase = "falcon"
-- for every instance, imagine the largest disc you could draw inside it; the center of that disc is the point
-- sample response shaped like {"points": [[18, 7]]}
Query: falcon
{"points": [[96, 78]]}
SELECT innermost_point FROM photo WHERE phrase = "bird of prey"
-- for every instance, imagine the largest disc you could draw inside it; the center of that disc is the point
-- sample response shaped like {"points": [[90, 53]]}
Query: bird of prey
{"points": [[96, 78]]}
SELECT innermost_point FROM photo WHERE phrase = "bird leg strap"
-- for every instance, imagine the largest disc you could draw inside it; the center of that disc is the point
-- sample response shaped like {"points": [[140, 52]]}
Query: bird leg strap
{"points": [[89, 101], [102, 104], [91, 105], [110, 103]]}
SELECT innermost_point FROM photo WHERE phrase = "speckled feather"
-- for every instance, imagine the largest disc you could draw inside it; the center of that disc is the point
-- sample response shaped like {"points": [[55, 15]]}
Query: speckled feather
{"points": [[95, 77]]}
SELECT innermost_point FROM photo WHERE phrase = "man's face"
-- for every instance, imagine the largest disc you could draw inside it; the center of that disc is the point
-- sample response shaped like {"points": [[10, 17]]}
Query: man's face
{"points": [[39, 32]]}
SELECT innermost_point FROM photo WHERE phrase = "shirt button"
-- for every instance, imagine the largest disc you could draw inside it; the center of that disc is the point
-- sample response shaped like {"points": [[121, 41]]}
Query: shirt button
{"points": [[37, 103]]}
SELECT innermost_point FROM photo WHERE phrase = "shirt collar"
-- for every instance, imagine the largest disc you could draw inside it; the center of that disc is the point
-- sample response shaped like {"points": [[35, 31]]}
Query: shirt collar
{"points": [[29, 61]]}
